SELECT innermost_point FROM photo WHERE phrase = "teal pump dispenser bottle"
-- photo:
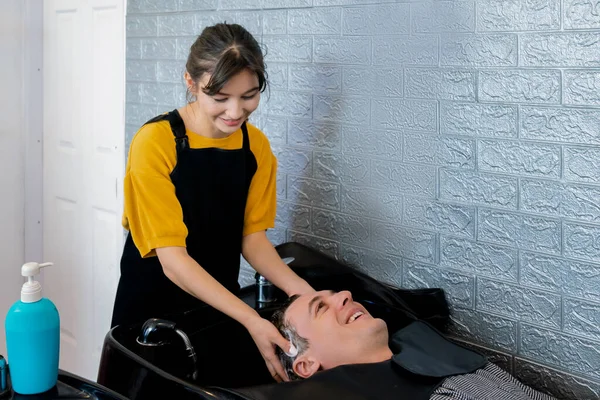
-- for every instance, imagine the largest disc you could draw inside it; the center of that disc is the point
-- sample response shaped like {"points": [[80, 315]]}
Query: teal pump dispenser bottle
{"points": [[32, 337]]}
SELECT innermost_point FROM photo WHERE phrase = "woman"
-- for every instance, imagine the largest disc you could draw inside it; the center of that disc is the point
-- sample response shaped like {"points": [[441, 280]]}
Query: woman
{"points": [[200, 190]]}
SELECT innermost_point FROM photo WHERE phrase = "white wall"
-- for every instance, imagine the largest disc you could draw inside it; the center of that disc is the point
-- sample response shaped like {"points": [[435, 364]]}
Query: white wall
{"points": [[12, 150]]}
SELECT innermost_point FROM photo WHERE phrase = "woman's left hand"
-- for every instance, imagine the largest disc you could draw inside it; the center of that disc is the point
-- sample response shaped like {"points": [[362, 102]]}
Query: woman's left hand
{"points": [[266, 337]]}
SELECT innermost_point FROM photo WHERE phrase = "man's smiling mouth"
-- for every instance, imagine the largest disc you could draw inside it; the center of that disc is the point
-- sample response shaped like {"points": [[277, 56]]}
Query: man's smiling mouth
{"points": [[355, 316]]}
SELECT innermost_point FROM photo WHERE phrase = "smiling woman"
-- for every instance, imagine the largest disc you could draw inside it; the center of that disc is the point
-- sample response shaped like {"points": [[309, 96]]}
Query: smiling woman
{"points": [[200, 190]]}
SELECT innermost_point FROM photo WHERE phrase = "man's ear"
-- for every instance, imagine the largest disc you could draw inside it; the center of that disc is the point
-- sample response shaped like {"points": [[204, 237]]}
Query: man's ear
{"points": [[306, 366]]}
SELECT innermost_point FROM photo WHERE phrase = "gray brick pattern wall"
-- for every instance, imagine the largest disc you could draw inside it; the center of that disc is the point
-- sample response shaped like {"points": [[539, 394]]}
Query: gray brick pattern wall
{"points": [[450, 144]]}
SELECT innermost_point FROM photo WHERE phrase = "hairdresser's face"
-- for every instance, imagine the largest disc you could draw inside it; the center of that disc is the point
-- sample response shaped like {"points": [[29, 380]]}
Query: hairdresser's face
{"points": [[234, 103], [339, 330]]}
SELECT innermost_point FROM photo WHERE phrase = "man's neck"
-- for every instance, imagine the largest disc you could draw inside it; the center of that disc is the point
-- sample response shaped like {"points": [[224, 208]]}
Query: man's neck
{"points": [[377, 355]]}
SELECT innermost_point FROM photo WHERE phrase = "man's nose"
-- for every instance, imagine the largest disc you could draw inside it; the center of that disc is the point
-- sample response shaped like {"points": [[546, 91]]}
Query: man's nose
{"points": [[343, 298]]}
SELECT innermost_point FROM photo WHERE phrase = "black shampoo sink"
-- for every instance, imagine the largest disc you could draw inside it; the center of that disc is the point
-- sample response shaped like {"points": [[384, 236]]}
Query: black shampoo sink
{"points": [[225, 354], [68, 386]]}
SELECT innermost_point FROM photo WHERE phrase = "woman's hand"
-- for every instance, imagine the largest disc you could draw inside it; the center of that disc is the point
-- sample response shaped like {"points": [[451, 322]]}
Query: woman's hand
{"points": [[266, 337]]}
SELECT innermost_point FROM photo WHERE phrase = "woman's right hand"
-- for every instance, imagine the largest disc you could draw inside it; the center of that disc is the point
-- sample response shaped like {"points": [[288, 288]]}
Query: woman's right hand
{"points": [[266, 337]]}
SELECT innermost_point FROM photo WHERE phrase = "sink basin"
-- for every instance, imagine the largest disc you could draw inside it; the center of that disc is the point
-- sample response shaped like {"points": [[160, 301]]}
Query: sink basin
{"points": [[68, 386], [227, 357]]}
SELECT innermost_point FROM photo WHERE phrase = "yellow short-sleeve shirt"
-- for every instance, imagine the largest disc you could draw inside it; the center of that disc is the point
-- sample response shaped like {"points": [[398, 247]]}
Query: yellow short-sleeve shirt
{"points": [[152, 212]]}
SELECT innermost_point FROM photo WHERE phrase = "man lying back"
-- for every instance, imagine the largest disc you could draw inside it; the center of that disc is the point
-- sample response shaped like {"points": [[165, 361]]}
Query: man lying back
{"points": [[331, 332]]}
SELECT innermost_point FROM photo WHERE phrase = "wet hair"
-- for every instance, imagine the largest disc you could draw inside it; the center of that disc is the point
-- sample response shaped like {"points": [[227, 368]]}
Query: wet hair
{"points": [[224, 50], [288, 331]]}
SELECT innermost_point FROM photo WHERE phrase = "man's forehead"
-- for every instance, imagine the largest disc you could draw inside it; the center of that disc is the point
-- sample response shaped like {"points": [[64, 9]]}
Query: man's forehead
{"points": [[301, 305]]}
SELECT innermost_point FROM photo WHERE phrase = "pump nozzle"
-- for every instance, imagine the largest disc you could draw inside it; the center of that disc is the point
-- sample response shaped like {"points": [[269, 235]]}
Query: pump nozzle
{"points": [[32, 290], [33, 268]]}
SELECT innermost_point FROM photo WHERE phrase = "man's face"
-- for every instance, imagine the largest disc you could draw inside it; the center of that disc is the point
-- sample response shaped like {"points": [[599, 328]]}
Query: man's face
{"points": [[339, 330]]}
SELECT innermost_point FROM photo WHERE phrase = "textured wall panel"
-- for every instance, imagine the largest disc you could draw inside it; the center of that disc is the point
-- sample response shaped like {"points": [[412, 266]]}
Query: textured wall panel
{"points": [[519, 158], [444, 16], [410, 243], [340, 168], [581, 88], [378, 204], [476, 188], [580, 356], [151, 6], [479, 50], [367, 80], [459, 287], [341, 227], [520, 86], [287, 48], [142, 26], [176, 25], [517, 15], [412, 179], [582, 241], [315, 78], [520, 303], [314, 134], [383, 267], [519, 230], [481, 259], [352, 110], [446, 218], [298, 105], [440, 84], [275, 22], [295, 217], [553, 198], [381, 19], [582, 164], [560, 50], [274, 128], [329, 247], [372, 143], [403, 114], [560, 275], [581, 14], [347, 50], [583, 318], [436, 150], [484, 120], [567, 125], [315, 21], [416, 50], [294, 161], [484, 328]]}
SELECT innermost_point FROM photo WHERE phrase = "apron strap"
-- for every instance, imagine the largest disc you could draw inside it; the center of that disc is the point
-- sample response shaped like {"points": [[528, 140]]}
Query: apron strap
{"points": [[178, 128], [246, 142]]}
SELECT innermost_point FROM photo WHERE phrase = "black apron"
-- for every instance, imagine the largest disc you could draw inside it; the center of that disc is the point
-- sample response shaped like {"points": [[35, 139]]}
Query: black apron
{"points": [[212, 186]]}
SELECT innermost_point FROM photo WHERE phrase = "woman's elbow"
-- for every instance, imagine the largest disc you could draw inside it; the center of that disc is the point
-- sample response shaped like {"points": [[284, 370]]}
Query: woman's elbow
{"points": [[170, 258]]}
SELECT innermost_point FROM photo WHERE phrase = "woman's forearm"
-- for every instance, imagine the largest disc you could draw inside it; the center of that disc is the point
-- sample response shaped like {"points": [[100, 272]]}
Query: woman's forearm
{"points": [[186, 273], [262, 256]]}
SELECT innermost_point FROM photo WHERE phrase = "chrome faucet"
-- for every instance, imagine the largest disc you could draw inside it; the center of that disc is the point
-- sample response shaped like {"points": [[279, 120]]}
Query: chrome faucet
{"points": [[153, 325], [266, 292]]}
